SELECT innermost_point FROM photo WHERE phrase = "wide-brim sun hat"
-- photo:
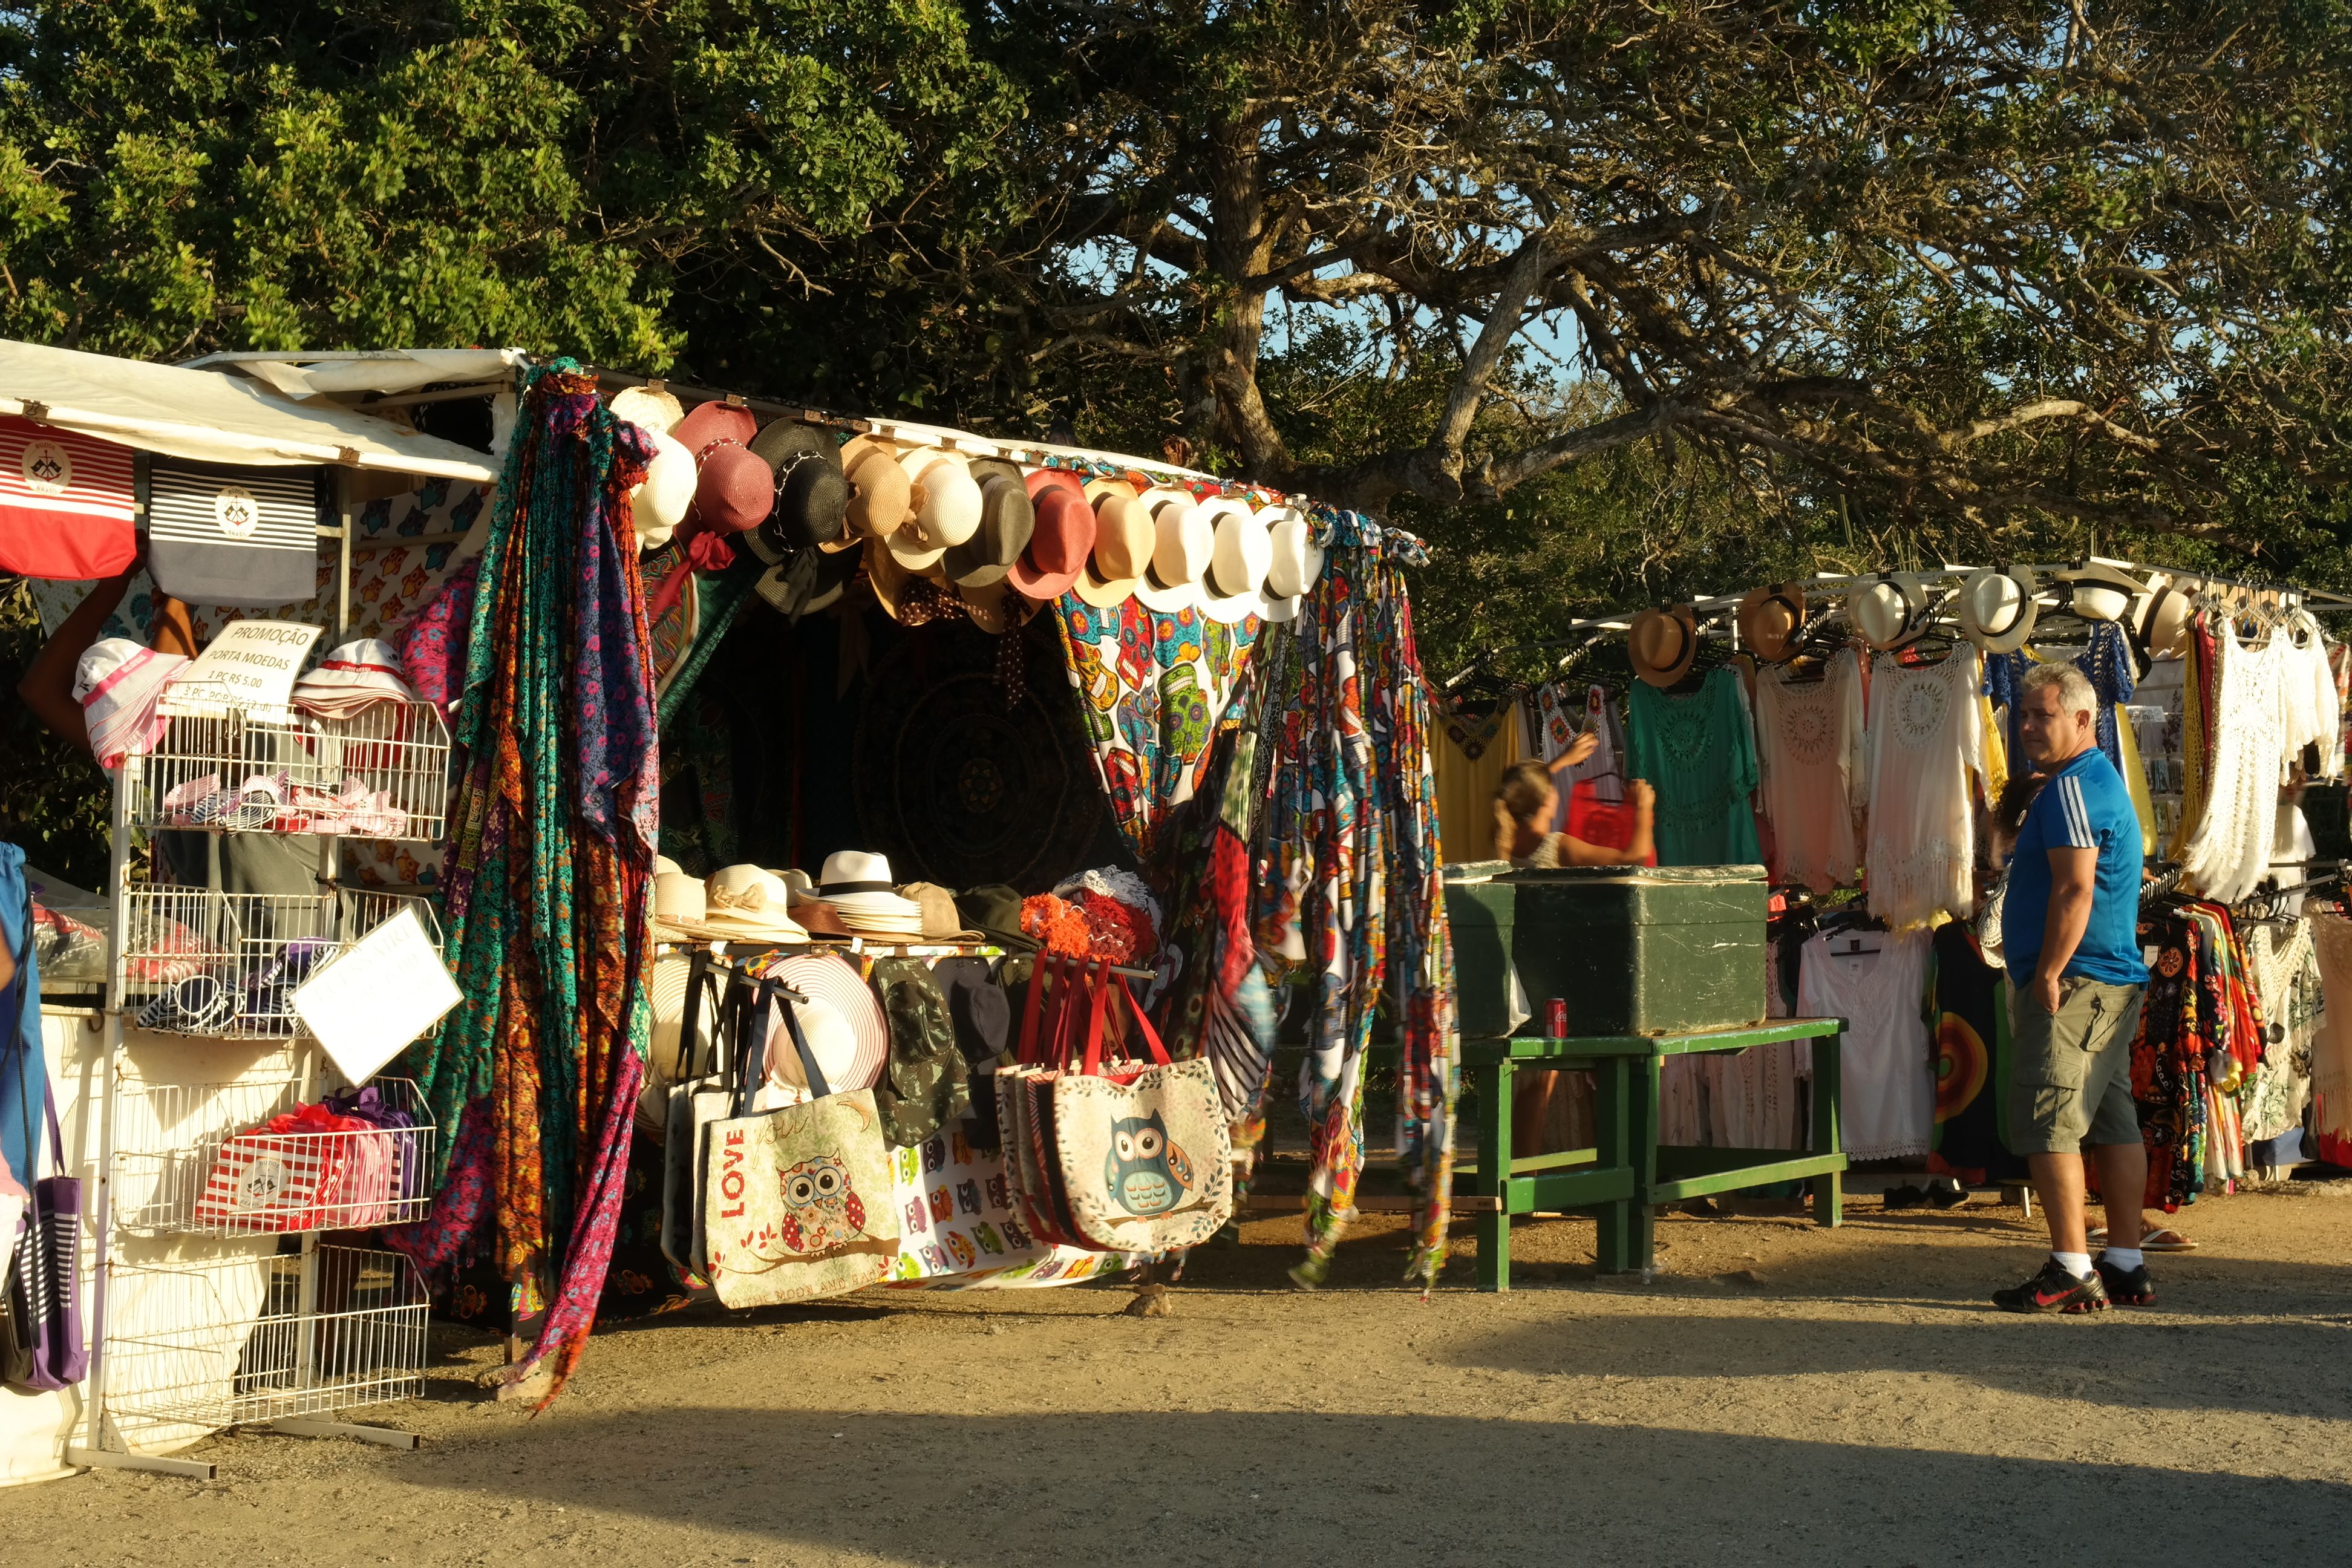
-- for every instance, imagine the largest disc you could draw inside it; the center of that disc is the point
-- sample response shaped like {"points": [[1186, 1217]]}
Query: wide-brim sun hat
{"points": [[711, 424], [830, 1039], [947, 502], [833, 981], [666, 992], [363, 671], [991, 606], [1661, 643], [659, 502], [680, 904], [1996, 609], [811, 581], [750, 903], [1058, 547], [733, 490], [648, 409], [1123, 544], [880, 493], [1183, 540], [1007, 520], [1294, 563], [1242, 551], [2162, 619], [811, 501], [1769, 618]]}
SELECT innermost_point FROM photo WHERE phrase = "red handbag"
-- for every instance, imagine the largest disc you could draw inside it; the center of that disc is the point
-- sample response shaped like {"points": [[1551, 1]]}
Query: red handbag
{"points": [[1607, 823], [66, 503]]}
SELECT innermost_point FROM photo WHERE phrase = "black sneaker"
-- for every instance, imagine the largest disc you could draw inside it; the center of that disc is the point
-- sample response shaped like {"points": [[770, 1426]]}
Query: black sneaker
{"points": [[2054, 1291], [2125, 1287]]}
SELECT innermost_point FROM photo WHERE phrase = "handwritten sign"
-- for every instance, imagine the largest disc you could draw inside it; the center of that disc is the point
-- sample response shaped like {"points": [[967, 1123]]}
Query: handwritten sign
{"points": [[250, 665], [376, 995]]}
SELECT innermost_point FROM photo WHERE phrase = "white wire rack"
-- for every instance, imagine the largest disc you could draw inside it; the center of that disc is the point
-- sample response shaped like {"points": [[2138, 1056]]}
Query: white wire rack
{"points": [[225, 965], [200, 1159], [236, 1339], [381, 772]]}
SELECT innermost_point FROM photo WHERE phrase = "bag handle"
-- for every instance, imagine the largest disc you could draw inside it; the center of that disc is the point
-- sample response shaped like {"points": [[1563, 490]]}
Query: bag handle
{"points": [[750, 1039], [25, 1065], [1098, 1003], [1025, 1052], [1077, 982], [699, 982], [1143, 1021], [817, 1087]]}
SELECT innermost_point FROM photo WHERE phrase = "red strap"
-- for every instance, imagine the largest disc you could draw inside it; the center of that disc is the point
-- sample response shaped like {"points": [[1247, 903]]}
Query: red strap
{"points": [[1151, 1035], [1027, 1051], [1099, 991]]}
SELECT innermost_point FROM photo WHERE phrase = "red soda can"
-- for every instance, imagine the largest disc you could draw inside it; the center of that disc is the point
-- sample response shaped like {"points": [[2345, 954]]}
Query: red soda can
{"points": [[1556, 1019]]}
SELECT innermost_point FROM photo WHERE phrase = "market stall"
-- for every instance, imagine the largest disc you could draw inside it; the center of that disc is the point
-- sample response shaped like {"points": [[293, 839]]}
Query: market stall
{"points": [[1012, 1027]]}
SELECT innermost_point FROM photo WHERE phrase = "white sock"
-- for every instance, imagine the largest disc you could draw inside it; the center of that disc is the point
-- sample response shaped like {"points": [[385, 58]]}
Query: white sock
{"points": [[2124, 1258], [2076, 1263]]}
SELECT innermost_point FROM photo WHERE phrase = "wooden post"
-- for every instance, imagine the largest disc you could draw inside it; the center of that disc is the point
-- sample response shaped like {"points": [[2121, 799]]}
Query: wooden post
{"points": [[1612, 1082], [1645, 1100]]}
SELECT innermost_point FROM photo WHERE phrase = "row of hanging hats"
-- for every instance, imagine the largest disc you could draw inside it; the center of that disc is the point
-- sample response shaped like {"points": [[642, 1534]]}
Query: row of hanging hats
{"points": [[1995, 608], [995, 537]]}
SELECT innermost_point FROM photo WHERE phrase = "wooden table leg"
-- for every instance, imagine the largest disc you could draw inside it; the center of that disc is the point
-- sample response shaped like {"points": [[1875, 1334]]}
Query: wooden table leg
{"points": [[1642, 1112], [1829, 1187], [1494, 1226], [1612, 1106]]}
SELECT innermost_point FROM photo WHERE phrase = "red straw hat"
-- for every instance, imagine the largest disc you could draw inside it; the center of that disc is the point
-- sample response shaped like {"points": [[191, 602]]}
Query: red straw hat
{"points": [[1058, 546], [735, 491]]}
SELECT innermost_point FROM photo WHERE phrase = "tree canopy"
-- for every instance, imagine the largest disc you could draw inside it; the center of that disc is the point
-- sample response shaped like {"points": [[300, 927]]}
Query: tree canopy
{"points": [[1602, 295]]}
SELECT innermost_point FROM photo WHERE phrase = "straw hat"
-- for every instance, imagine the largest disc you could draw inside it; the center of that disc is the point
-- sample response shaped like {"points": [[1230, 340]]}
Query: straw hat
{"points": [[1237, 562], [811, 499], [661, 501], [1661, 643], [707, 426], [648, 409], [1998, 609], [1059, 547], [1183, 539], [1296, 562], [1123, 546], [859, 888], [991, 606], [1007, 517], [1769, 619], [748, 903], [832, 982], [733, 490], [880, 494], [665, 1063], [2103, 593], [1891, 611], [811, 581], [2161, 623], [947, 507], [680, 905]]}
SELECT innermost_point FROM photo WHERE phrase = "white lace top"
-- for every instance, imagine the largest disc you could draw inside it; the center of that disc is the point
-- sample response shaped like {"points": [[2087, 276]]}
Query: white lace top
{"points": [[1809, 751], [2230, 850], [1924, 739], [2308, 706]]}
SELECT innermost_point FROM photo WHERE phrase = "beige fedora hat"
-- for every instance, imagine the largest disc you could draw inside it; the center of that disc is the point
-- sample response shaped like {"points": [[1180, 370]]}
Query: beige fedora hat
{"points": [[750, 903], [1243, 554], [2103, 593], [1123, 548], [1295, 562], [1998, 609], [1661, 643], [1890, 611], [2161, 621], [1183, 541]]}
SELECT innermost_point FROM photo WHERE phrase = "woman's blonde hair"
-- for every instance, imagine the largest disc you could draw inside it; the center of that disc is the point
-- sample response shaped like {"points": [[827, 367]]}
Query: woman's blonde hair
{"points": [[1522, 788]]}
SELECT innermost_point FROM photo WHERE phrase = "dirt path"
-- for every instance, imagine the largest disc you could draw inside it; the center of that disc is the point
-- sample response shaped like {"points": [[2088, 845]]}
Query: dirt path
{"points": [[1784, 1395]]}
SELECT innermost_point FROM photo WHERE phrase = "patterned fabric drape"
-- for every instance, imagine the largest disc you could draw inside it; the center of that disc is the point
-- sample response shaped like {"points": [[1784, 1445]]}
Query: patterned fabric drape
{"points": [[1150, 686], [546, 900]]}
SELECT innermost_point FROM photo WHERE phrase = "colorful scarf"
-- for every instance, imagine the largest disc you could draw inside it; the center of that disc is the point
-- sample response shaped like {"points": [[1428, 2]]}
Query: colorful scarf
{"points": [[546, 900]]}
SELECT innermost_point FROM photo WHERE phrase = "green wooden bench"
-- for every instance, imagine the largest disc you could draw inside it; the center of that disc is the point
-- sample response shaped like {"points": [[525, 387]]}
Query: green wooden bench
{"points": [[1627, 1173]]}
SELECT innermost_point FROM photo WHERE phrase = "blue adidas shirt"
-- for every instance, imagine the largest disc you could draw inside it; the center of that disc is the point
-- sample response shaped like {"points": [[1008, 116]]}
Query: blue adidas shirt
{"points": [[2084, 807]]}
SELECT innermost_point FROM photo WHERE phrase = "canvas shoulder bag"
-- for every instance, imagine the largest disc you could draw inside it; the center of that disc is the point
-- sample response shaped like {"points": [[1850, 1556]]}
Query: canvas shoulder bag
{"points": [[797, 1202], [1145, 1160]]}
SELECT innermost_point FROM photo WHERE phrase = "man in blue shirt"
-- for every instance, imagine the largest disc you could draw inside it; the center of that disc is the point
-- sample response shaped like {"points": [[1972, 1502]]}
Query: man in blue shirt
{"points": [[2070, 936]]}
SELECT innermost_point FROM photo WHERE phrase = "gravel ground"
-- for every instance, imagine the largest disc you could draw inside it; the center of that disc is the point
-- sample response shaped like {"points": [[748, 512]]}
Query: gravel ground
{"points": [[1778, 1394]]}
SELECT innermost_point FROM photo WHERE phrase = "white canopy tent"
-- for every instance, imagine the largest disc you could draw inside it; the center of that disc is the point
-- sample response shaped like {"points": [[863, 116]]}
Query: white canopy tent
{"points": [[209, 417]]}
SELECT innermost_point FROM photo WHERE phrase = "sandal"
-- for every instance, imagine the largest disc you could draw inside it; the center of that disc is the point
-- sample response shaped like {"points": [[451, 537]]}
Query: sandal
{"points": [[2163, 1238]]}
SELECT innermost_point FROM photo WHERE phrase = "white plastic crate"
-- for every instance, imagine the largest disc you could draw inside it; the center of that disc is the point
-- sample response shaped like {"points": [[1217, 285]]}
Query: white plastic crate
{"points": [[236, 1339], [199, 1159], [225, 966], [383, 772]]}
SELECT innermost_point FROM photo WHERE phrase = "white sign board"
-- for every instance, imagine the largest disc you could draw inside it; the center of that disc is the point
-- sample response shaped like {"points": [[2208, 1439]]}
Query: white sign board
{"points": [[250, 665], [376, 995]]}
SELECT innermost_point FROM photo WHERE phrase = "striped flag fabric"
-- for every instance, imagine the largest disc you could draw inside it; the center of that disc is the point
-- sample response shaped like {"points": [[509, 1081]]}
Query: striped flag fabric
{"points": [[66, 503], [236, 535]]}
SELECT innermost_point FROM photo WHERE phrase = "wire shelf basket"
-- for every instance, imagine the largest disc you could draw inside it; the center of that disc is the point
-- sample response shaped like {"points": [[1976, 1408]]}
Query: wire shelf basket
{"points": [[238, 1340], [204, 1159], [381, 773], [225, 966]]}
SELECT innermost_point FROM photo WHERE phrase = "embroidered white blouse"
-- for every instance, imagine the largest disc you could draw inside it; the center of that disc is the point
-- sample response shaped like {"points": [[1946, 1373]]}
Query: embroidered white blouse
{"points": [[1926, 741]]}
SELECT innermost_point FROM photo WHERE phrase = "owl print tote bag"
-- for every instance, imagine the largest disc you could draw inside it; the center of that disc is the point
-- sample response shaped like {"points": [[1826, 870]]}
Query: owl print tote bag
{"points": [[1146, 1161], [798, 1201]]}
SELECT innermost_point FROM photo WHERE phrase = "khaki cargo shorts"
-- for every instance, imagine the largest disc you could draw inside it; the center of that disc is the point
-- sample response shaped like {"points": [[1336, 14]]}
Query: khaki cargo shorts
{"points": [[2072, 1079]]}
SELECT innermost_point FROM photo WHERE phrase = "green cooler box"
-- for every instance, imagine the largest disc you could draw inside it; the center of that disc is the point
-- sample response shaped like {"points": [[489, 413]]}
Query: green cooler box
{"points": [[1478, 911], [1639, 950]]}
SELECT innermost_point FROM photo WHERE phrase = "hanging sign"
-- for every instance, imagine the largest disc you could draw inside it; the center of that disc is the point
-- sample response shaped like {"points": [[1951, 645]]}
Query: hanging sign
{"points": [[376, 995], [248, 665]]}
